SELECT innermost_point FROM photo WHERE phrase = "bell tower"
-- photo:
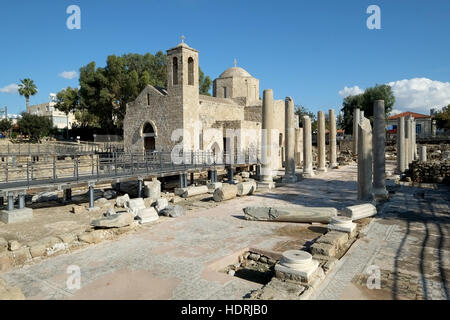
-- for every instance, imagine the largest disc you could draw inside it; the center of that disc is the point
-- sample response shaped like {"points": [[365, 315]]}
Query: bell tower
{"points": [[183, 87], [182, 69]]}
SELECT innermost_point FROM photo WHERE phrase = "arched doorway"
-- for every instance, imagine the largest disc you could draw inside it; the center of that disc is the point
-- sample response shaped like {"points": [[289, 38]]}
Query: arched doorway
{"points": [[148, 133]]}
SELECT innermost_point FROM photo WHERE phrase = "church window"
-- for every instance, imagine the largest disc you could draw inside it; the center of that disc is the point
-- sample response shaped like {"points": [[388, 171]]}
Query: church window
{"points": [[148, 99], [175, 71], [191, 71], [224, 92]]}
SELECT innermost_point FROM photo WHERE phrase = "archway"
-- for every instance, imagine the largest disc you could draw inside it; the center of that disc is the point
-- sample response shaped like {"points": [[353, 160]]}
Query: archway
{"points": [[148, 133]]}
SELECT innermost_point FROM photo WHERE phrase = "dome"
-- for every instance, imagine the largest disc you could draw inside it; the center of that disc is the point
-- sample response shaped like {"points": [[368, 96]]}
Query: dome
{"points": [[234, 72]]}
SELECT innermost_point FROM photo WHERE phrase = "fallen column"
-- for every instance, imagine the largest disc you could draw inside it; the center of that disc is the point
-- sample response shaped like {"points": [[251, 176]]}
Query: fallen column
{"points": [[246, 188], [365, 160], [332, 139], [360, 211], [146, 215], [379, 146], [228, 191], [321, 142], [289, 173], [290, 214], [194, 191], [307, 148]]}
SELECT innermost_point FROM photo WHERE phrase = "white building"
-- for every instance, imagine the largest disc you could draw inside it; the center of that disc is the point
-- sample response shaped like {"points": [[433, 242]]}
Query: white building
{"points": [[59, 118]]}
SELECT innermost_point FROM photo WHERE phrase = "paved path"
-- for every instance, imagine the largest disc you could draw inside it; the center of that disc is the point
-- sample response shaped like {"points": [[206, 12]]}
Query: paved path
{"points": [[409, 243], [181, 258]]}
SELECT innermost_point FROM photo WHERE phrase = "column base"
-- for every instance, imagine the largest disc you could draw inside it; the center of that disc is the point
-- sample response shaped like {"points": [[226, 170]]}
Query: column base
{"points": [[380, 194], [321, 170], [16, 215], [334, 165], [266, 185], [289, 179], [308, 174]]}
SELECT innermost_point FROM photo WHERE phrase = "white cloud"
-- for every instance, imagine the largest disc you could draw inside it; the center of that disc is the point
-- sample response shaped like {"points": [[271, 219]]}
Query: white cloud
{"points": [[68, 74], [416, 94], [10, 88], [420, 94], [350, 91]]}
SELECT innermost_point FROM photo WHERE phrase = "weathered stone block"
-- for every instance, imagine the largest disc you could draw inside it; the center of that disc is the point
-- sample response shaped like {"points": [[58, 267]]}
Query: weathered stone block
{"points": [[323, 249], [3, 245], [147, 215], [336, 238], [38, 250], [95, 236], [21, 256], [117, 220], [6, 261], [16, 215], [14, 245]]}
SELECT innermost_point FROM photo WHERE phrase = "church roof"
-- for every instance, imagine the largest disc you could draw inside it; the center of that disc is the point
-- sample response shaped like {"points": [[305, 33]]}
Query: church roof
{"points": [[234, 72]]}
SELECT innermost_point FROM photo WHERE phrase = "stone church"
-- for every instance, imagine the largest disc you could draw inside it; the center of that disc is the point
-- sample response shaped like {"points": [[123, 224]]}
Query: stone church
{"points": [[163, 118]]}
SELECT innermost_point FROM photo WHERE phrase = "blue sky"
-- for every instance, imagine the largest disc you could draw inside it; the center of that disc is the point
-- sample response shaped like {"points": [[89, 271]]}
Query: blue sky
{"points": [[310, 50]]}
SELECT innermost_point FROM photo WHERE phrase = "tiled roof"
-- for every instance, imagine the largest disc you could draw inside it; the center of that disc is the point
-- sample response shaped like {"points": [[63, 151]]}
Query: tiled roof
{"points": [[409, 113]]}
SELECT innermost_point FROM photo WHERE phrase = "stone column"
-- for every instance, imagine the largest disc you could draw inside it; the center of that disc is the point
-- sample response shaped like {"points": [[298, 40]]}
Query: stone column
{"points": [[289, 123], [414, 135], [298, 146], [379, 146], [423, 153], [321, 166], [355, 130], [365, 157], [412, 139], [267, 156], [332, 138], [401, 145], [407, 141], [307, 148]]}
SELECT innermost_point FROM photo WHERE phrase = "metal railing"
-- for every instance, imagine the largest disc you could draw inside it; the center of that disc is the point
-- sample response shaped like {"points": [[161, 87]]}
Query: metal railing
{"points": [[111, 165], [59, 148]]}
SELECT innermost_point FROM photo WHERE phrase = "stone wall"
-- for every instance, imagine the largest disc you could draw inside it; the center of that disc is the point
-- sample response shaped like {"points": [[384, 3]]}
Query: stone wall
{"points": [[434, 172]]}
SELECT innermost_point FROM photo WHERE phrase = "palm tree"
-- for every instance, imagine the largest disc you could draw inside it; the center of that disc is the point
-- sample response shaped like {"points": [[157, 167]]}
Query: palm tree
{"points": [[27, 88]]}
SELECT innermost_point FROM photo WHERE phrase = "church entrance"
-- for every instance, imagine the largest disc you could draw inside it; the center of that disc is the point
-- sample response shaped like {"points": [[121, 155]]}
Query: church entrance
{"points": [[148, 133]]}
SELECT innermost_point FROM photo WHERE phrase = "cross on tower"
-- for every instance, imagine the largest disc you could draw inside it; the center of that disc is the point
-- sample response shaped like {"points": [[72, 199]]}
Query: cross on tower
{"points": [[235, 62]]}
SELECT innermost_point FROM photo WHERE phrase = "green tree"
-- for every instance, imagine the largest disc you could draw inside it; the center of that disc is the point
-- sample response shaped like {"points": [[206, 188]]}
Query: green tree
{"points": [[204, 83], [27, 88], [365, 102], [34, 126], [104, 92], [67, 101], [442, 118], [301, 111], [5, 126]]}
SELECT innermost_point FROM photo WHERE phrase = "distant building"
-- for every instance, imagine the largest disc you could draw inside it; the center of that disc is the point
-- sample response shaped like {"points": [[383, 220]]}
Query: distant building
{"points": [[424, 123], [59, 118]]}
